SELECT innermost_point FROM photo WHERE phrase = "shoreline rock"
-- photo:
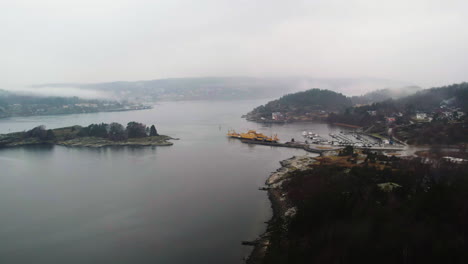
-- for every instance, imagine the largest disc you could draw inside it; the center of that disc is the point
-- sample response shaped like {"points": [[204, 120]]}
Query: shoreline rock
{"points": [[94, 142], [281, 207]]}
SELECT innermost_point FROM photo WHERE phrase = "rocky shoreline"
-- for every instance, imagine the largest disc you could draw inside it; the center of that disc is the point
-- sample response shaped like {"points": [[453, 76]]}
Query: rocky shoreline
{"points": [[94, 142], [93, 136], [282, 208], [136, 142]]}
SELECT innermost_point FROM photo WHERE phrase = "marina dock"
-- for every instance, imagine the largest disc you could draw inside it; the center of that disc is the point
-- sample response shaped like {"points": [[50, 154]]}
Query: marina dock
{"points": [[316, 148], [319, 144], [288, 145]]}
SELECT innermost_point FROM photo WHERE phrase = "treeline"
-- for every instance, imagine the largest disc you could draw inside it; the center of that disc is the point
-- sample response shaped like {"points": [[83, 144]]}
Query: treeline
{"points": [[40, 132], [113, 131], [384, 94], [412, 211], [437, 132], [360, 116], [409, 102], [304, 102], [8, 98], [12, 104], [453, 96]]}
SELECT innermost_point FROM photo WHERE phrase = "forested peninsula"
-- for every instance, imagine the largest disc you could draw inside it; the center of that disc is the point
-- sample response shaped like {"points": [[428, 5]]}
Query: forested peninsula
{"points": [[362, 206], [368, 206], [308, 105], [426, 117], [94, 135]]}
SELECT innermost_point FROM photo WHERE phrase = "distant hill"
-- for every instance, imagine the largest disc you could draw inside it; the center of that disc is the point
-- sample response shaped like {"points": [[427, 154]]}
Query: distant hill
{"points": [[435, 103], [427, 100], [455, 96], [385, 94], [13, 104], [185, 88], [309, 104], [226, 88]]}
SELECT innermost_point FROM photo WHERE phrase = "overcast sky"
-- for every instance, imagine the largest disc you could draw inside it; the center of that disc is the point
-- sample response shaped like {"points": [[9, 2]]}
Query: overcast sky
{"points": [[418, 41]]}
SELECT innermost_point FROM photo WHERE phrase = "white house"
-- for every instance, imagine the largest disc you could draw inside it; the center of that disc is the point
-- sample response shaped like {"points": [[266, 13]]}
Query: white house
{"points": [[421, 116], [277, 116]]}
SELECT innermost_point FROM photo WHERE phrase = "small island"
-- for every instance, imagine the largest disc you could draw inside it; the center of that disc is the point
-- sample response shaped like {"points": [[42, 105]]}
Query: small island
{"points": [[94, 135]]}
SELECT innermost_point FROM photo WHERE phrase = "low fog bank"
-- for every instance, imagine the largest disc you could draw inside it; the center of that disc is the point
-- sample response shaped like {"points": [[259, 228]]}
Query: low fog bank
{"points": [[63, 91], [352, 86], [212, 88]]}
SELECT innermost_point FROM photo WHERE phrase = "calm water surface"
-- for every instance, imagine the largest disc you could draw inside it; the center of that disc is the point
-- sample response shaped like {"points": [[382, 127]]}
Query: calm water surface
{"points": [[192, 202]]}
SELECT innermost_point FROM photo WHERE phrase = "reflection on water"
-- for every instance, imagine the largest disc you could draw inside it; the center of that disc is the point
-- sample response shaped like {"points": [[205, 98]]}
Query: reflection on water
{"points": [[38, 148], [192, 202]]}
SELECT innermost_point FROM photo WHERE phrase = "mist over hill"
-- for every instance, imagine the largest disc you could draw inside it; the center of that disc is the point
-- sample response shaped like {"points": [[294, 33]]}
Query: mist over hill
{"points": [[437, 103], [223, 88], [385, 94], [29, 104], [60, 98], [317, 104]]}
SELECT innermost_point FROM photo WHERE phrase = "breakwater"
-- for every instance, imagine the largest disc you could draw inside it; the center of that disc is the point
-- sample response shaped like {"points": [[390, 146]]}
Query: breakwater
{"points": [[287, 145]]}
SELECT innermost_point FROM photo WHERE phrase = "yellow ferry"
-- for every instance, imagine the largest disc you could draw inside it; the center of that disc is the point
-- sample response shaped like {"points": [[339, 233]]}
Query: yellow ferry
{"points": [[253, 135]]}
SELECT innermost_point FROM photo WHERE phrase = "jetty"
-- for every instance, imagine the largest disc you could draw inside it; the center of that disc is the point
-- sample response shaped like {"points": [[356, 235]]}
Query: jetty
{"points": [[318, 148], [287, 145]]}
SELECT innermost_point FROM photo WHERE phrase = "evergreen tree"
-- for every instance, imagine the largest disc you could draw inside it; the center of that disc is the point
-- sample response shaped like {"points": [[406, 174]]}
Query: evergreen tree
{"points": [[153, 131], [98, 130]]}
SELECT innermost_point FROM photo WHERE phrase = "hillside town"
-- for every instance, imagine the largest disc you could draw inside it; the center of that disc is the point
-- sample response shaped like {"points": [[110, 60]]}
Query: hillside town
{"points": [[32, 106]]}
